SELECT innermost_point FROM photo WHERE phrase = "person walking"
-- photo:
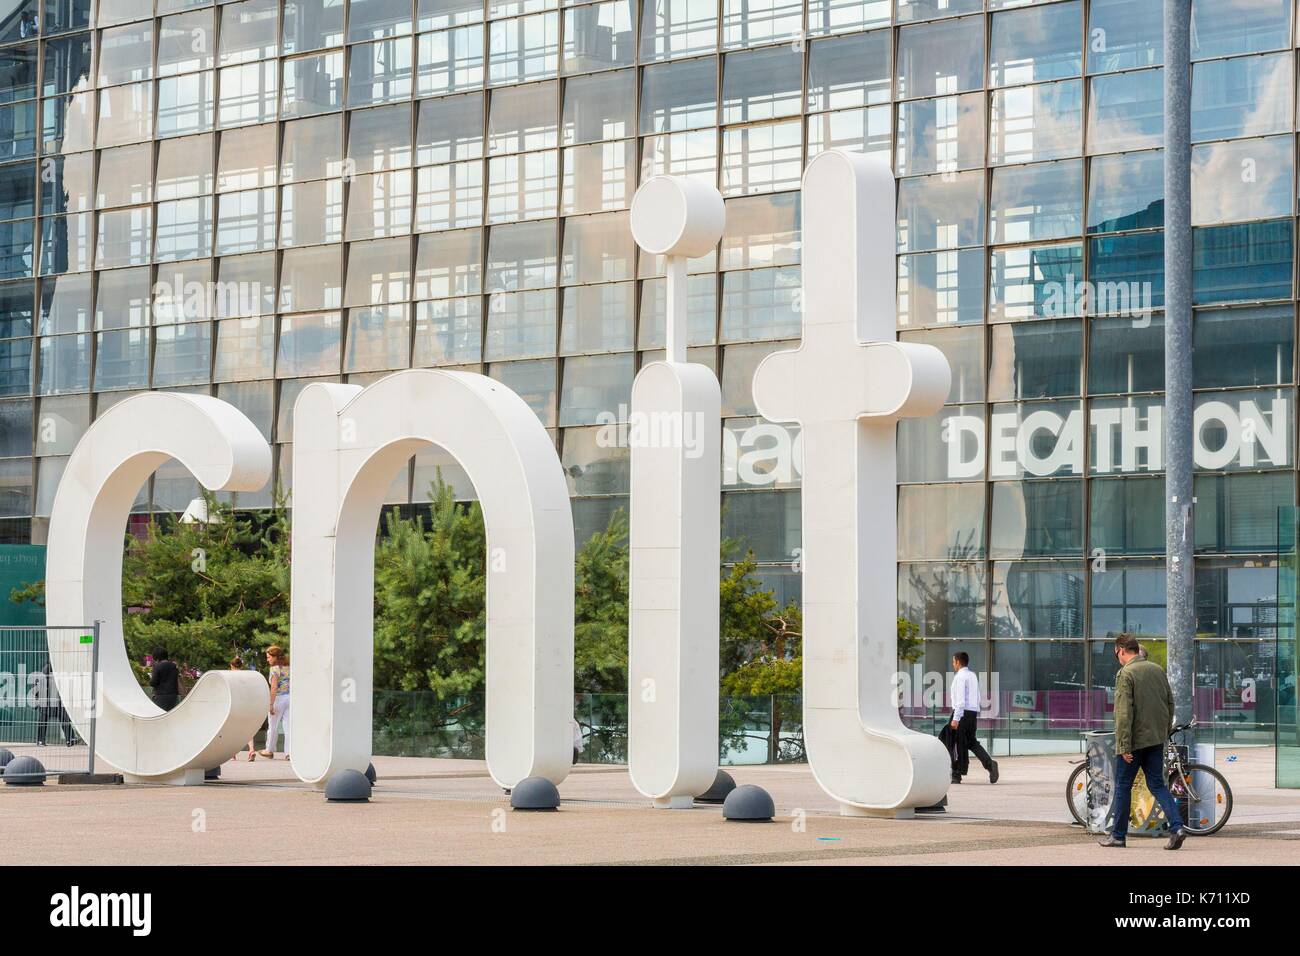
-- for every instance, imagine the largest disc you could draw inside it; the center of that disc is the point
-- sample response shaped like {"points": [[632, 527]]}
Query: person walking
{"points": [[965, 699], [50, 709], [237, 664], [279, 709], [164, 678], [1144, 714]]}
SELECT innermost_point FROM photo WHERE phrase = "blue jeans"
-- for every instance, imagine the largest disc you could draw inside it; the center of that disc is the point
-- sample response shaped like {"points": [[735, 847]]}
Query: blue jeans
{"points": [[1151, 761]]}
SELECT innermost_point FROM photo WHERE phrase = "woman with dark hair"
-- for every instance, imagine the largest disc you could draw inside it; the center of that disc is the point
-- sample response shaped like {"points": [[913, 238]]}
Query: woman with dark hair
{"points": [[279, 709], [165, 680]]}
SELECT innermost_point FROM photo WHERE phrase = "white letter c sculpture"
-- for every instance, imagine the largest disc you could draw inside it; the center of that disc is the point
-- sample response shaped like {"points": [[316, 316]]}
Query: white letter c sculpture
{"points": [[348, 445], [847, 385], [83, 582]]}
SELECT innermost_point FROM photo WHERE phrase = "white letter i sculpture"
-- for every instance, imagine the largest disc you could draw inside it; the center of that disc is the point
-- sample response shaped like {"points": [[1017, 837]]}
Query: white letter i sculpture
{"points": [[847, 385], [674, 526]]}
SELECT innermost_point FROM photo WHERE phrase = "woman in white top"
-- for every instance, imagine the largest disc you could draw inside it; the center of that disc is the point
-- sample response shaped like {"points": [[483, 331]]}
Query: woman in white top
{"points": [[279, 707]]}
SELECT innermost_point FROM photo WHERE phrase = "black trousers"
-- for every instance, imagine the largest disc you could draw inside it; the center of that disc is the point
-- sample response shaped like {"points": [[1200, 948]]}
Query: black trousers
{"points": [[968, 743], [53, 715]]}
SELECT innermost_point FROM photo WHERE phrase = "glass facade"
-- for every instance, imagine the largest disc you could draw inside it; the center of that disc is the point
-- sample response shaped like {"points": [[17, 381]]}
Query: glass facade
{"points": [[241, 198]]}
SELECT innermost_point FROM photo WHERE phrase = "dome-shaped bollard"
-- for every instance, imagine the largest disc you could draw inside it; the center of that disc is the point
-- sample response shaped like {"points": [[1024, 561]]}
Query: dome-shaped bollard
{"points": [[535, 793], [6, 755], [371, 775], [748, 802], [213, 773], [24, 772], [723, 784], [348, 786]]}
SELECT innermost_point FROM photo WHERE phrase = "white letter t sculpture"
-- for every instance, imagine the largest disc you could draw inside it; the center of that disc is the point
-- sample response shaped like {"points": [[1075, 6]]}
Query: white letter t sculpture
{"points": [[847, 385]]}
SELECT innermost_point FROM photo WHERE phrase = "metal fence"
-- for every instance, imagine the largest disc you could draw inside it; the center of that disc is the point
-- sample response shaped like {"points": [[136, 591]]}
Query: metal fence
{"points": [[49, 717]]}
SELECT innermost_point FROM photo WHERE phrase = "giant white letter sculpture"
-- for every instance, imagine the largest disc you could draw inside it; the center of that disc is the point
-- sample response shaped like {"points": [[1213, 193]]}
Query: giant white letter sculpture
{"points": [[348, 445], [83, 582], [847, 385], [672, 709]]}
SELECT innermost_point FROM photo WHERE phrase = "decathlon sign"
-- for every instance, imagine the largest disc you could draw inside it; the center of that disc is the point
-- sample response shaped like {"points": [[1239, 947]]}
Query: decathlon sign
{"points": [[846, 386], [1230, 432]]}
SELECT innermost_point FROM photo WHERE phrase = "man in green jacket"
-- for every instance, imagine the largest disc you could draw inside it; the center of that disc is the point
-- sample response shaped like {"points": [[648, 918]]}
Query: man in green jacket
{"points": [[1144, 714]]}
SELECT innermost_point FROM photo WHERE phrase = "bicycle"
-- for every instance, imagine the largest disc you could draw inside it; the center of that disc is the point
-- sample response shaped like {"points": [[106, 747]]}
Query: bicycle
{"points": [[1195, 795]]}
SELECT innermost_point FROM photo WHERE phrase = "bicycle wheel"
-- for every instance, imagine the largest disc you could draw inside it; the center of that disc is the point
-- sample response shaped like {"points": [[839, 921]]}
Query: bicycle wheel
{"points": [[1076, 794], [1207, 795]]}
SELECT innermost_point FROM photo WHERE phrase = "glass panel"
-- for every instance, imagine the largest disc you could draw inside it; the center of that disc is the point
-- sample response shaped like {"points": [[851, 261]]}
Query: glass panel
{"points": [[1041, 43], [941, 288], [521, 325], [312, 84], [849, 71], [447, 264], [1035, 203], [671, 28], [448, 332], [936, 59], [1224, 27], [941, 522], [312, 149], [599, 107], [522, 118], [1036, 281], [1126, 356], [940, 135], [1126, 111], [1243, 430], [449, 128], [1126, 191], [1034, 123], [309, 345], [312, 25], [598, 249], [761, 84], [1035, 360], [449, 61], [1123, 35], [941, 212], [595, 384], [1238, 513], [597, 318], [1247, 179], [679, 96], [1243, 347], [1036, 518], [760, 304], [599, 36], [1249, 96]]}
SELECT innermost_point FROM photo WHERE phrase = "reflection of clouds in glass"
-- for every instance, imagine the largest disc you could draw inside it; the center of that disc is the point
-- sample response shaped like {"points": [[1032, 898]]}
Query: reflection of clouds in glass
{"points": [[1235, 181], [1241, 97], [1036, 123], [1221, 27], [1122, 186], [1126, 111], [1035, 44]]}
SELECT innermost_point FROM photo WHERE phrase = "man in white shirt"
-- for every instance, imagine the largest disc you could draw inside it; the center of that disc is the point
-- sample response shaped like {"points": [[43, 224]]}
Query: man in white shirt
{"points": [[965, 699]]}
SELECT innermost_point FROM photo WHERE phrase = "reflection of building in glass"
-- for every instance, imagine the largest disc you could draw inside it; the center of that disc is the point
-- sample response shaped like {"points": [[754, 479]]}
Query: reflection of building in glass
{"points": [[356, 187]]}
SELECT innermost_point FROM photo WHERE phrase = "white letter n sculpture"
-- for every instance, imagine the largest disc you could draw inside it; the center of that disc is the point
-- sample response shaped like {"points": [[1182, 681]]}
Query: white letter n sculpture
{"points": [[847, 385]]}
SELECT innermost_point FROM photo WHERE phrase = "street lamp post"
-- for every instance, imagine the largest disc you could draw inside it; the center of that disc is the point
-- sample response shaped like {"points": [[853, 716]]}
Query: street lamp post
{"points": [[1178, 414]]}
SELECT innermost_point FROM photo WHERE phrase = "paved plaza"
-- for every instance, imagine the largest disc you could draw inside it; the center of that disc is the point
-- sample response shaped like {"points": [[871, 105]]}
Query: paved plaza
{"points": [[428, 811]]}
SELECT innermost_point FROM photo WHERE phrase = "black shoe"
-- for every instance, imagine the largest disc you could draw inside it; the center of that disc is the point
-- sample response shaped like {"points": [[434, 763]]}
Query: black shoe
{"points": [[1111, 841], [956, 779], [1176, 839], [993, 771]]}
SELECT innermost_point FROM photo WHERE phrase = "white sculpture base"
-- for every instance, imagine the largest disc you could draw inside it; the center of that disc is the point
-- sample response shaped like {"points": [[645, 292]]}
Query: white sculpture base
{"points": [[880, 813], [675, 802], [191, 777]]}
